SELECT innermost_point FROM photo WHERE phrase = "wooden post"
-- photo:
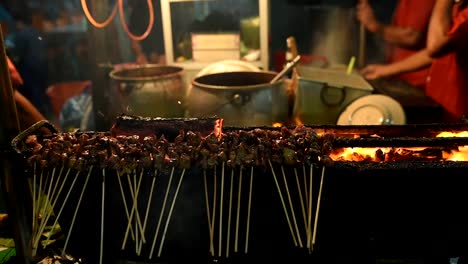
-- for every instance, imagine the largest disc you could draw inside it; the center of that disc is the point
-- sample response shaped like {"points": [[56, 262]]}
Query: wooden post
{"points": [[98, 38]]}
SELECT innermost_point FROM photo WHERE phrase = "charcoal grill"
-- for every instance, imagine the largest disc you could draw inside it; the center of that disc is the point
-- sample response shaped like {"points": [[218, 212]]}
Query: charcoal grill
{"points": [[368, 210]]}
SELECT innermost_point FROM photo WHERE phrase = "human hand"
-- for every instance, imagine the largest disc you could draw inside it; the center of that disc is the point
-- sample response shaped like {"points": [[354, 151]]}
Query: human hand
{"points": [[376, 71], [365, 15]]}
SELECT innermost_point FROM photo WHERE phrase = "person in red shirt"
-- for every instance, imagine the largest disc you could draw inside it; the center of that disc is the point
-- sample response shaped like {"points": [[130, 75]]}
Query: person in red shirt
{"points": [[405, 36], [447, 44]]}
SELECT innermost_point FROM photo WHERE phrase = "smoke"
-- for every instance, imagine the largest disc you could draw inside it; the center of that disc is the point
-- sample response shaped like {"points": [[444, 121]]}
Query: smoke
{"points": [[335, 34]]}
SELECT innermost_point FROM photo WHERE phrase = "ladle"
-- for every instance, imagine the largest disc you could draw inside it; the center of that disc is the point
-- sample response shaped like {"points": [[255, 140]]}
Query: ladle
{"points": [[286, 69]]}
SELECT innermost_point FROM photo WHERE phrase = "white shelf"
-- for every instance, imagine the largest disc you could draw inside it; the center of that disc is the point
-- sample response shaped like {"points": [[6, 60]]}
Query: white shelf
{"points": [[193, 65], [264, 12]]}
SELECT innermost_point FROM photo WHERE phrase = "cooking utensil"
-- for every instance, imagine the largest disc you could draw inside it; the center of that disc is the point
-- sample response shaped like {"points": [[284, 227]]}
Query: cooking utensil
{"points": [[241, 98], [362, 46], [286, 69], [152, 90]]}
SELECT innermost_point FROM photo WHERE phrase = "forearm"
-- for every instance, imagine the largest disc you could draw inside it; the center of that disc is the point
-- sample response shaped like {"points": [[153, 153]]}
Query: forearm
{"points": [[415, 62], [401, 36], [437, 40]]}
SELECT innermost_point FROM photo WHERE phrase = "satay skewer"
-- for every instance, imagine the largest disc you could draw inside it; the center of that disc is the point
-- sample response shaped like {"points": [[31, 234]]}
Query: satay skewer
{"points": [[135, 202], [309, 215], [208, 212], [61, 187], [64, 202], [170, 213], [76, 211], [292, 207], [133, 211], [45, 210], [124, 202], [213, 216], [150, 198], [162, 213], [54, 202], [283, 203], [306, 193], [248, 212], [228, 236], [221, 213], [301, 199], [34, 198], [236, 238], [38, 207], [101, 249], [314, 235], [52, 195], [136, 186], [39, 194], [41, 208]]}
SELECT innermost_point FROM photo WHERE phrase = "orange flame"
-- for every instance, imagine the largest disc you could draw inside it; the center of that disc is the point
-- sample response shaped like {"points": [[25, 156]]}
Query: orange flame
{"points": [[453, 134], [383, 154], [298, 121], [278, 124]]}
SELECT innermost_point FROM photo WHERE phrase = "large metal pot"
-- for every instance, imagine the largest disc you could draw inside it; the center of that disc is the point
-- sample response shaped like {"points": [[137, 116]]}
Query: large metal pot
{"points": [[152, 90], [241, 98]]}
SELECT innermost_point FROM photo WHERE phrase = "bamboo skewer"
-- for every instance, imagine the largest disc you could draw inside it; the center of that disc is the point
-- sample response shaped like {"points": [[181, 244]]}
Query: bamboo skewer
{"points": [[38, 204], [76, 210], [301, 199], [139, 226], [283, 203], [125, 203], [45, 210], [61, 187], [56, 183], [135, 203], [101, 251], [318, 207], [306, 193], [207, 205], [34, 198], [213, 216], [236, 239], [150, 198], [292, 207], [162, 213], [309, 215], [37, 209], [42, 207], [170, 213], [221, 213], [54, 202], [134, 211], [64, 202], [229, 214], [248, 213]]}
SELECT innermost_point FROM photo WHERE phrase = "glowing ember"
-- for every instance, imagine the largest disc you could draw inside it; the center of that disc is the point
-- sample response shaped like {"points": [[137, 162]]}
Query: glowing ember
{"points": [[400, 154], [453, 134], [218, 128], [277, 124], [460, 155]]}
